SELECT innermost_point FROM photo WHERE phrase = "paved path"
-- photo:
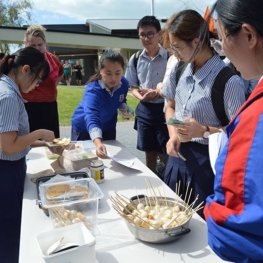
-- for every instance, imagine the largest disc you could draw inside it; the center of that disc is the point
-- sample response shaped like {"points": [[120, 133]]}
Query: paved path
{"points": [[125, 135]]}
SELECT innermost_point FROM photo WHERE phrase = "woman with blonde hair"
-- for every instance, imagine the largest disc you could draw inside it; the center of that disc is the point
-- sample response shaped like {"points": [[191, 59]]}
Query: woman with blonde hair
{"points": [[41, 103]]}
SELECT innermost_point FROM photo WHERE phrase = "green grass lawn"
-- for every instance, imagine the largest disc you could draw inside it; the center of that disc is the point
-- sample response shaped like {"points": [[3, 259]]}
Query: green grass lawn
{"points": [[69, 98]]}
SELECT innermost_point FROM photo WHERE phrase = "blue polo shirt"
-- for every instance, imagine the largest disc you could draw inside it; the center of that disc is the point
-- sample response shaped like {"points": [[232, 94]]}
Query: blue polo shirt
{"points": [[13, 116], [98, 110], [149, 71]]}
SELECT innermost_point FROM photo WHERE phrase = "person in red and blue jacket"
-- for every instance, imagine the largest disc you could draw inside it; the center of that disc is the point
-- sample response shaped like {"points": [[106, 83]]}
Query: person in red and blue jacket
{"points": [[234, 213]]}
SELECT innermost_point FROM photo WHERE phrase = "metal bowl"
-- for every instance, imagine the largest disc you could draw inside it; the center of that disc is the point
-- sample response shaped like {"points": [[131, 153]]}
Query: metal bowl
{"points": [[160, 235]]}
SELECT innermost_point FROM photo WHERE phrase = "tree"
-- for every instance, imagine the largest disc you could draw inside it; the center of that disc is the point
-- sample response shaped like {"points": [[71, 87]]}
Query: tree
{"points": [[14, 13]]}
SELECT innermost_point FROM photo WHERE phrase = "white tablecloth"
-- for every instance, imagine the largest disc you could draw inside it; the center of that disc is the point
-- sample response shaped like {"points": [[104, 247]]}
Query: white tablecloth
{"points": [[116, 243]]}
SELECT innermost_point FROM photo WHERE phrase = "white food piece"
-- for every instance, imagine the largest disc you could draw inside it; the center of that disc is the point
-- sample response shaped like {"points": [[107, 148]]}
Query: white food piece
{"points": [[165, 226], [135, 212], [177, 208], [74, 212], [130, 217], [157, 216], [147, 208], [66, 214], [140, 206], [144, 214], [164, 220], [168, 211], [162, 209], [168, 215], [152, 212], [156, 224], [137, 221], [182, 216]]}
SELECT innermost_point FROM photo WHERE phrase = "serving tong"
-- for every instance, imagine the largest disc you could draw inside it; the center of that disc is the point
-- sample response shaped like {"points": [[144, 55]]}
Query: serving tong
{"points": [[58, 247]]}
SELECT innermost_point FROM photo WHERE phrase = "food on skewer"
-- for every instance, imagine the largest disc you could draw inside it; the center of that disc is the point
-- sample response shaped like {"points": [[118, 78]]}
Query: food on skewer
{"points": [[63, 217], [156, 212]]}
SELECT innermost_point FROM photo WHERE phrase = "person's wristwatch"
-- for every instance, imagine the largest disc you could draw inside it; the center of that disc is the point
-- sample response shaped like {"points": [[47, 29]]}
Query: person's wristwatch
{"points": [[206, 133]]}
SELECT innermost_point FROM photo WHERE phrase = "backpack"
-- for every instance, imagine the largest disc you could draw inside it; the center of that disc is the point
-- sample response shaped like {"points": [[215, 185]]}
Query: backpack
{"points": [[217, 93], [136, 57]]}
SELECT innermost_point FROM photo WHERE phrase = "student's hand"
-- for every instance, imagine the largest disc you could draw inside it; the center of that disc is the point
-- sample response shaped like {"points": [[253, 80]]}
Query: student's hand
{"points": [[150, 95], [143, 91], [101, 151], [124, 114], [173, 145], [159, 88], [190, 129], [130, 110], [100, 148], [46, 135]]}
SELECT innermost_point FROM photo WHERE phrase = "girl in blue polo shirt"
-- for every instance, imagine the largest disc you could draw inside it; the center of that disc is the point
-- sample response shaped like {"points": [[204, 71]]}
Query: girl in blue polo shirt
{"points": [[96, 116], [19, 72]]}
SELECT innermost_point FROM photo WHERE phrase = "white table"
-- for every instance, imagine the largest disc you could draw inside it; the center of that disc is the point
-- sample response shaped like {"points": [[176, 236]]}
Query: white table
{"points": [[116, 243]]}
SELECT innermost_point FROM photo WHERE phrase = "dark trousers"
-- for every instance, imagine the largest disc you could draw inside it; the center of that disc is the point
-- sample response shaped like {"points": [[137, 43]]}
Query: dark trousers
{"points": [[43, 115], [11, 195], [83, 136], [150, 125], [195, 171]]}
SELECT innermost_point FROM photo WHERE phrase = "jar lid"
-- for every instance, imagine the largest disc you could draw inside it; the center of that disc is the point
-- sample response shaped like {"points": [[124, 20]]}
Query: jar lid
{"points": [[96, 163]]}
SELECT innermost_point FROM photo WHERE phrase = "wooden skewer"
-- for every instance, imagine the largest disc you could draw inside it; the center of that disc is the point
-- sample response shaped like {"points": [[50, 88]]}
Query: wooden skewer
{"points": [[179, 186], [148, 187], [132, 214], [172, 220], [195, 210], [159, 191], [177, 199], [127, 203], [190, 207], [156, 200], [137, 195], [145, 200], [186, 192], [124, 207], [164, 195], [119, 204], [189, 196], [147, 193]]}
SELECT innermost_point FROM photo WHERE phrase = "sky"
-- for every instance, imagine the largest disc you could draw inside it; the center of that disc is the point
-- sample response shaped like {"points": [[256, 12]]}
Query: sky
{"points": [[78, 11]]}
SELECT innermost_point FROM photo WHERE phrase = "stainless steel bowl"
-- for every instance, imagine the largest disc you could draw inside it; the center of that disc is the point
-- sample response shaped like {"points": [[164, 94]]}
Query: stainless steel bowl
{"points": [[160, 235]]}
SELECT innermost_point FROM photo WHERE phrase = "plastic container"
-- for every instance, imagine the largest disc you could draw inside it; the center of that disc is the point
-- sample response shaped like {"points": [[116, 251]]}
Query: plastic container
{"points": [[79, 158], [71, 202], [44, 179], [78, 234], [97, 171]]}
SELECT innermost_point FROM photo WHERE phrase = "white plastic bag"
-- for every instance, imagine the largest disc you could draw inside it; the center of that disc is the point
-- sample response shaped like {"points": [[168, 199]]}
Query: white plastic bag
{"points": [[216, 143]]}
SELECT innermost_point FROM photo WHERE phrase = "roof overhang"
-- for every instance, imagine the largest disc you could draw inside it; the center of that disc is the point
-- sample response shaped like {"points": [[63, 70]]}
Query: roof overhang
{"points": [[15, 35]]}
